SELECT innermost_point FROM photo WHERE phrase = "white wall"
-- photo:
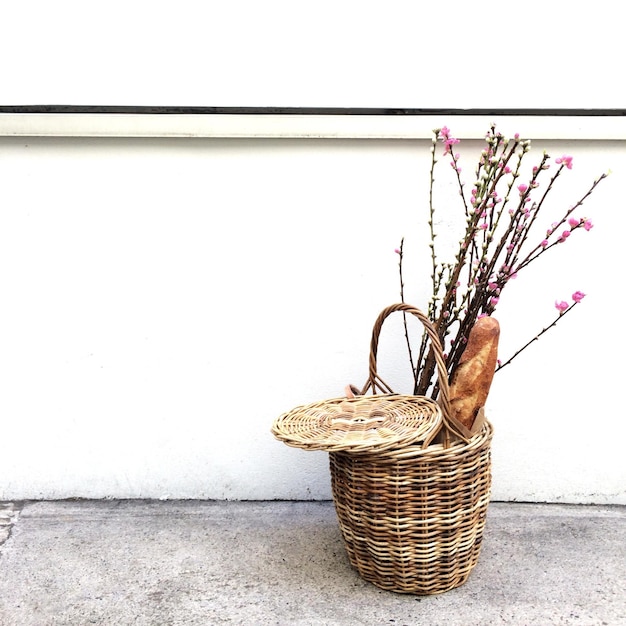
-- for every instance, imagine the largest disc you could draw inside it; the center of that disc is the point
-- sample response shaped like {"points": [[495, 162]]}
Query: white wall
{"points": [[163, 300]]}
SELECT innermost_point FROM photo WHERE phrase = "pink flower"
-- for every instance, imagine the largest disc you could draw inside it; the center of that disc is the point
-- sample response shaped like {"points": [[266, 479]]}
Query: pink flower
{"points": [[397, 250], [573, 222], [561, 306], [566, 160], [564, 235], [522, 189], [449, 142], [494, 300], [577, 296], [587, 224], [544, 243]]}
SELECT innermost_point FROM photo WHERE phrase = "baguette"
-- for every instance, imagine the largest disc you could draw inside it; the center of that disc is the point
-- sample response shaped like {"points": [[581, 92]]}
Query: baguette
{"points": [[471, 380]]}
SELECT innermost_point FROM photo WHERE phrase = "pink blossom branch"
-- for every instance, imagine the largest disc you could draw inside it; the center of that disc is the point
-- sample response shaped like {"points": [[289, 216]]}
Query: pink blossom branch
{"points": [[470, 285], [536, 337], [540, 249]]}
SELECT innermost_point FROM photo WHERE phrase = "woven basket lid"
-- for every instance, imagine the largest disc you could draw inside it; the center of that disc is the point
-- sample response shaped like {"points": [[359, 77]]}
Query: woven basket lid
{"points": [[361, 424]]}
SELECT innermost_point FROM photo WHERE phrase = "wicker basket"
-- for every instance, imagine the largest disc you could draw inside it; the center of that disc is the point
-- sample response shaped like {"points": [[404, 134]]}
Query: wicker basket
{"points": [[412, 517], [411, 484]]}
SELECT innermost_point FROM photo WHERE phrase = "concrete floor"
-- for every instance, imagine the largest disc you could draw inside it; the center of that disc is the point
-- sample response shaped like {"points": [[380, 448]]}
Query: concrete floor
{"points": [[191, 563]]}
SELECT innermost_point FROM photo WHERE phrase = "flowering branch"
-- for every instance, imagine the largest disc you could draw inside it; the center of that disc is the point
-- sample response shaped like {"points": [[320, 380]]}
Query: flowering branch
{"points": [[563, 308], [501, 217]]}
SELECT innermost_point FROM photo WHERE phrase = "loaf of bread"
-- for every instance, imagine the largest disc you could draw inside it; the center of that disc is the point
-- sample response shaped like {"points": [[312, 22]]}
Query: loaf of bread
{"points": [[471, 380]]}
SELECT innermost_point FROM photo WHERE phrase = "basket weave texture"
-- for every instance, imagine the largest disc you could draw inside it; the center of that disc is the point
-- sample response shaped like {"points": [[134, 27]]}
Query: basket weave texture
{"points": [[412, 517], [364, 423], [413, 521]]}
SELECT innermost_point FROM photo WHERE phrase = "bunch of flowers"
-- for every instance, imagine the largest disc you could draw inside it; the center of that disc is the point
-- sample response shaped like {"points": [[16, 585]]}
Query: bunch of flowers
{"points": [[502, 237]]}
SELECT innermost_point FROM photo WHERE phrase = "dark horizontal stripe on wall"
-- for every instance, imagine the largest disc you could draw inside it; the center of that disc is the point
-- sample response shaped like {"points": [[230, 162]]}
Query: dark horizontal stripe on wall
{"points": [[199, 110]]}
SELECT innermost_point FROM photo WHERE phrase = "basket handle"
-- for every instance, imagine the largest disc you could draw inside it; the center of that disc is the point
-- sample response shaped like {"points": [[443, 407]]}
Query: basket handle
{"points": [[375, 382]]}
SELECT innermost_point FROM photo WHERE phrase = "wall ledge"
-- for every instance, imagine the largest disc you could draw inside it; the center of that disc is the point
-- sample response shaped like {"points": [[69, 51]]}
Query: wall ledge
{"points": [[177, 122]]}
